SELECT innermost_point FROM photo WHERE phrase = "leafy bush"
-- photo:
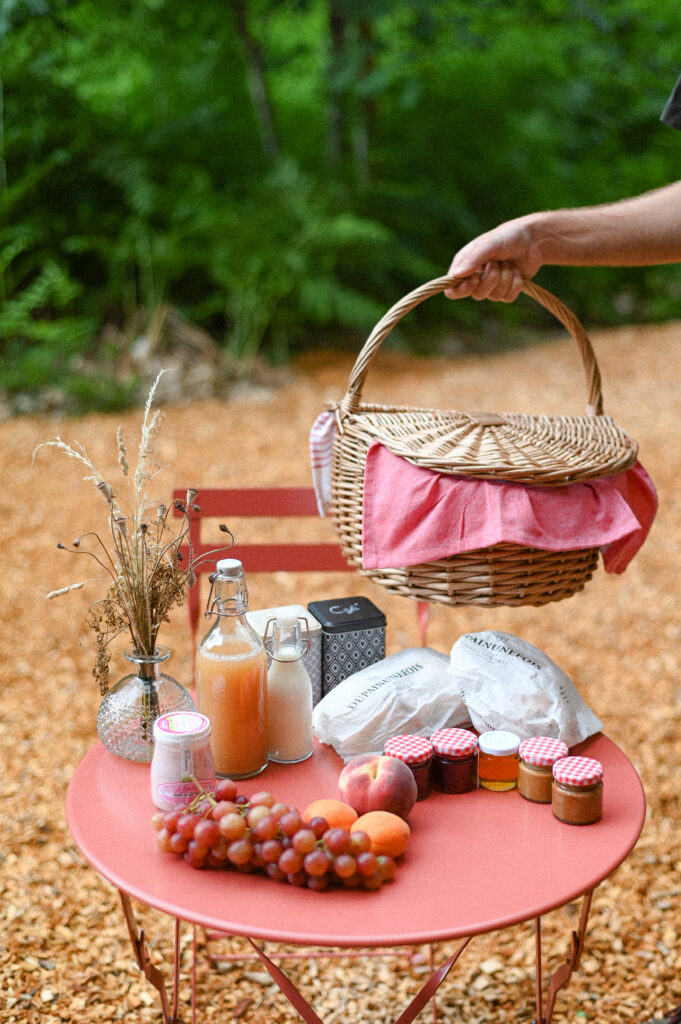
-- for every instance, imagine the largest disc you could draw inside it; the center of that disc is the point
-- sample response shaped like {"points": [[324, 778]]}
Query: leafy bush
{"points": [[282, 171]]}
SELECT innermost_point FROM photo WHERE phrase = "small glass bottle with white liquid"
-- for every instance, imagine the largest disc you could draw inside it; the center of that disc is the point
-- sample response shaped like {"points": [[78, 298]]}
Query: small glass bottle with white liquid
{"points": [[289, 693]]}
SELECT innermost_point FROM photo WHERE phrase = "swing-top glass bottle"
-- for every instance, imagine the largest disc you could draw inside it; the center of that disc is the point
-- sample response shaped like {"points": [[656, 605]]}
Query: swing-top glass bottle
{"points": [[231, 677]]}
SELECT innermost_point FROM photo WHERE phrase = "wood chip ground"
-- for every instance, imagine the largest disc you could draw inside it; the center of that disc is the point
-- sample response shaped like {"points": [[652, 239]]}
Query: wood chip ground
{"points": [[64, 950]]}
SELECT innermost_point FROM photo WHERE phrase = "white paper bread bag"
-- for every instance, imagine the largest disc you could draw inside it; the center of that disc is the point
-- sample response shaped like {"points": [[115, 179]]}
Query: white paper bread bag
{"points": [[506, 683], [407, 692]]}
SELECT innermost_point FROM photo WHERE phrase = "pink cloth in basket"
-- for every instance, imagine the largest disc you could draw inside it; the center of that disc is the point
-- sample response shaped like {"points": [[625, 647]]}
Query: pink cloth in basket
{"points": [[413, 515]]}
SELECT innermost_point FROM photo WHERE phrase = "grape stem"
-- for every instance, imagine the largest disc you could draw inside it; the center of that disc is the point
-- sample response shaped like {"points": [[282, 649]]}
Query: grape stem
{"points": [[202, 794]]}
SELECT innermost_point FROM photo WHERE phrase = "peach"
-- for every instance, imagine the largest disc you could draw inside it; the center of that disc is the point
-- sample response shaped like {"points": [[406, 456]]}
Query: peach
{"points": [[376, 782]]}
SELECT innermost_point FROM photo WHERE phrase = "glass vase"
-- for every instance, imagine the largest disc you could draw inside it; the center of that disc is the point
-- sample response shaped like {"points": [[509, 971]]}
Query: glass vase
{"points": [[126, 716]]}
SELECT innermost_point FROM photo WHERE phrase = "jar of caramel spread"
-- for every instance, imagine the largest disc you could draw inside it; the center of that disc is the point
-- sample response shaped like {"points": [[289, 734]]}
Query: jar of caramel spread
{"points": [[498, 760], [577, 797], [537, 757]]}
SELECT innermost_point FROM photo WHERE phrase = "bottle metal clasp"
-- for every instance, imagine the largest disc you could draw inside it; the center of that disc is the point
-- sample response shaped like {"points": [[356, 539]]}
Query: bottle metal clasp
{"points": [[209, 602], [269, 637], [224, 605]]}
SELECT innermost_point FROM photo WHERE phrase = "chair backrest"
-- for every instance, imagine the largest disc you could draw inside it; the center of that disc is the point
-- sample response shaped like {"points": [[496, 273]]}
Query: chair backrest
{"points": [[257, 502]]}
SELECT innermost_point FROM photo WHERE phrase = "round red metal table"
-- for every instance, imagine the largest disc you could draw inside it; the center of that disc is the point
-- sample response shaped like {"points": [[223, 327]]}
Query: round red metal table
{"points": [[476, 862]]}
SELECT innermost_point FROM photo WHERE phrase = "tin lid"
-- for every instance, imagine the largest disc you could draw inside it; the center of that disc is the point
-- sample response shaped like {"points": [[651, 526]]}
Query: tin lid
{"points": [[542, 750], [259, 617], [578, 771], [408, 748], [347, 613], [176, 726], [499, 743], [454, 742]]}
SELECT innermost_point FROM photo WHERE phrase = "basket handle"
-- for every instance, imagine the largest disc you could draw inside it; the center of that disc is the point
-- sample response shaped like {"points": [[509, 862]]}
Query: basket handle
{"points": [[351, 402]]}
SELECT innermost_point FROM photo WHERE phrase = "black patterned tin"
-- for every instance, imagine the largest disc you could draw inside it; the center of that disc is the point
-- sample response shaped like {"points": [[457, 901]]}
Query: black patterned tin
{"points": [[353, 637]]}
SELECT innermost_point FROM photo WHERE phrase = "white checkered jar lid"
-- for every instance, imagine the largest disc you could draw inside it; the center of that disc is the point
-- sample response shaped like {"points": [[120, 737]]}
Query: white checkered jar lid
{"points": [[454, 742], [542, 750], [578, 771], [410, 749]]}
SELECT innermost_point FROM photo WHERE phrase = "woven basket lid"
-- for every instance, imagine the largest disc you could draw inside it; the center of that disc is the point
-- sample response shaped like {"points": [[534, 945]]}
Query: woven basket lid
{"points": [[526, 448]]}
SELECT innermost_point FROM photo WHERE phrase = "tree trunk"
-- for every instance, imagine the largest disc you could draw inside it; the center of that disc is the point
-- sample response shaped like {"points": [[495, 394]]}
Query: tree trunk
{"points": [[349, 117], [364, 108], [335, 113], [256, 82]]}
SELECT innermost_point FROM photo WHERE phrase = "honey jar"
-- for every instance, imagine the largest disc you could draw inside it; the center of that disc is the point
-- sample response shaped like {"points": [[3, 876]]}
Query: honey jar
{"points": [[535, 771], [577, 797], [455, 760], [416, 752], [498, 760]]}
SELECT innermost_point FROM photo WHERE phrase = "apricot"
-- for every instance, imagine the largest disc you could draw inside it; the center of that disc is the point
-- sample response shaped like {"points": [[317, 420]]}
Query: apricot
{"points": [[337, 813], [388, 832]]}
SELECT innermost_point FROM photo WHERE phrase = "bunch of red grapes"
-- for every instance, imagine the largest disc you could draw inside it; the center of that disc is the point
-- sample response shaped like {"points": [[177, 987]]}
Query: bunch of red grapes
{"points": [[259, 833]]}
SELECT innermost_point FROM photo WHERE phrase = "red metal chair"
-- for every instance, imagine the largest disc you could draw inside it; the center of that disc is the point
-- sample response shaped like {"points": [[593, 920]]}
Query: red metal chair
{"points": [[289, 556]]}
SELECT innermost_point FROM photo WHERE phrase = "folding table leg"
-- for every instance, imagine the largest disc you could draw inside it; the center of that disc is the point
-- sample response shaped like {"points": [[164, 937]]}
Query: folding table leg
{"points": [[562, 974], [299, 1003], [153, 975]]}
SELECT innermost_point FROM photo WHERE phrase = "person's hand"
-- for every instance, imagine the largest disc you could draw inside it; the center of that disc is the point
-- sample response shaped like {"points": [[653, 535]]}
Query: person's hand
{"points": [[494, 265]]}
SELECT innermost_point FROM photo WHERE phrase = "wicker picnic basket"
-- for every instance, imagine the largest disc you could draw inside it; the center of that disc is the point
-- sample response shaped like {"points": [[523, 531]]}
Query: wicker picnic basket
{"points": [[533, 449]]}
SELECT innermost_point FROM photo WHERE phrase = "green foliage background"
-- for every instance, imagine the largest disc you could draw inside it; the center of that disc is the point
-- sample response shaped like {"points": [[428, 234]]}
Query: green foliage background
{"points": [[282, 171]]}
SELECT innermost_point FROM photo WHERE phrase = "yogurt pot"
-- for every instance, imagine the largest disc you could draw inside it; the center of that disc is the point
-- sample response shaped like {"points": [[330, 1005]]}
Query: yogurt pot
{"points": [[182, 763]]}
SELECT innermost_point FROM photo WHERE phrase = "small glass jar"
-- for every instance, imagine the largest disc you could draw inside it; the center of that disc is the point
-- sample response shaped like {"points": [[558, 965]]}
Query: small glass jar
{"points": [[182, 763], [577, 797], [537, 757], [455, 760], [416, 752], [498, 760]]}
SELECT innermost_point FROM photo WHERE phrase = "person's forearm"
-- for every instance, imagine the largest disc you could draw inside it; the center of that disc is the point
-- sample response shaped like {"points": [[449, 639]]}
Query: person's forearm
{"points": [[643, 230], [640, 231]]}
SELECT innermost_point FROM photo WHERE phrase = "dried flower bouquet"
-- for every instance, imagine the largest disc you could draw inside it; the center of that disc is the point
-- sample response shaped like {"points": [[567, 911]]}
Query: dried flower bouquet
{"points": [[144, 566]]}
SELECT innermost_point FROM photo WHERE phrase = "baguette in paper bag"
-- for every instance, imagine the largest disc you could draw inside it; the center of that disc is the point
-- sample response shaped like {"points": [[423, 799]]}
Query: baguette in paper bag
{"points": [[506, 683], [407, 692]]}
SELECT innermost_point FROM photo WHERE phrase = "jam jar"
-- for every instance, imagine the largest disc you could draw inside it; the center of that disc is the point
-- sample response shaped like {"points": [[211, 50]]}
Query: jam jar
{"points": [[577, 797], [498, 760], [455, 760], [416, 752], [537, 757]]}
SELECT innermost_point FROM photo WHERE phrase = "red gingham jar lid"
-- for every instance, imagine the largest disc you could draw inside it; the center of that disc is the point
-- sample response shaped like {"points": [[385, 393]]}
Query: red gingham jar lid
{"points": [[454, 742], [410, 749], [542, 750], [578, 771]]}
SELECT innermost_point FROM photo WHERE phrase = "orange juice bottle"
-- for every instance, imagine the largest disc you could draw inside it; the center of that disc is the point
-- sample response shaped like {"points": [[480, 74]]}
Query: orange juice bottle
{"points": [[231, 678]]}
